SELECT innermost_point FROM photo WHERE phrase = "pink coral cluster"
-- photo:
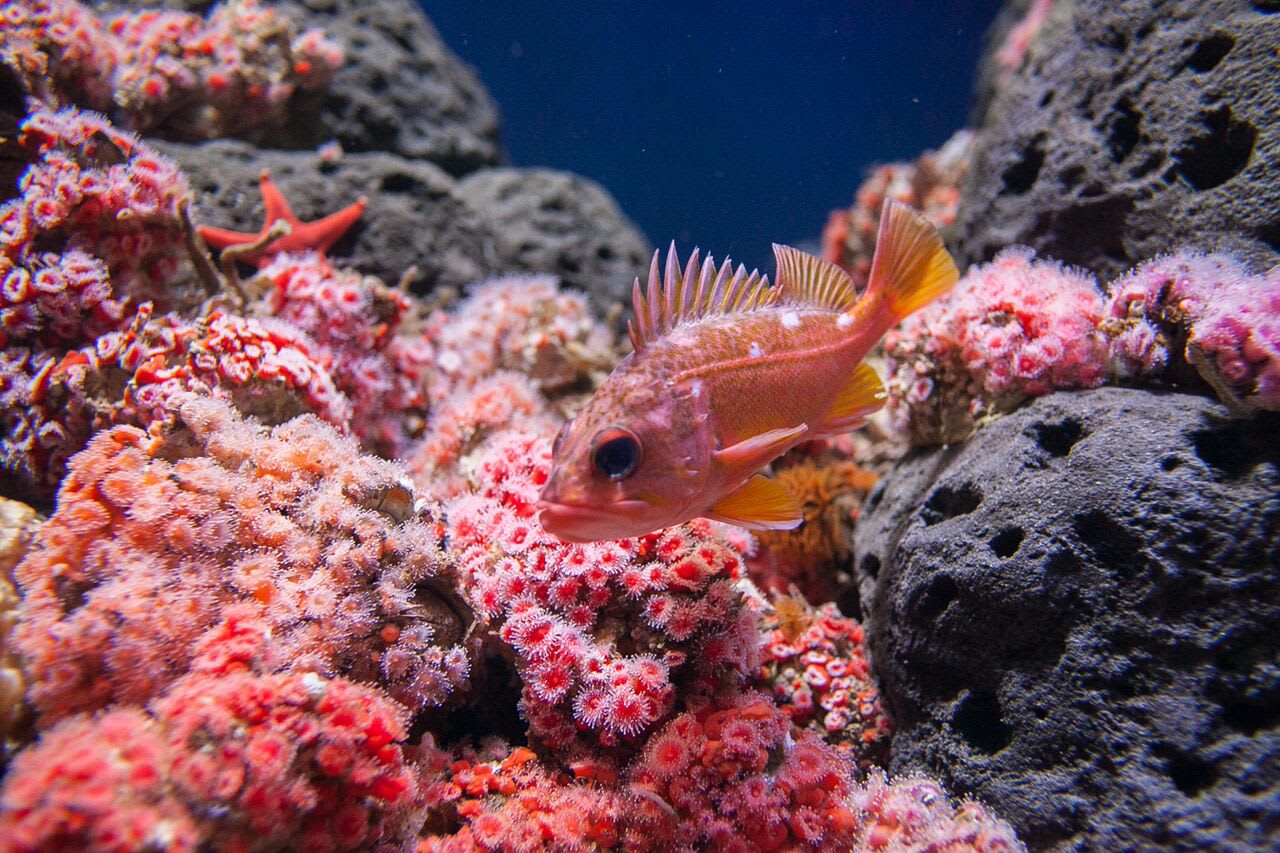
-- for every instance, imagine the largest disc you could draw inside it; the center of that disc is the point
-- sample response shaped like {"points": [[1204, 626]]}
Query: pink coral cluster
{"points": [[93, 235], [1011, 329], [463, 420], [816, 663], [601, 631], [93, 232], [227, 758], [733, 775], [914, 815], [737, 777], [931, 184], [507, 800], [526, 325], [357, 323], [1209, 309], [153, 540], [232, 72], [140, 375]]}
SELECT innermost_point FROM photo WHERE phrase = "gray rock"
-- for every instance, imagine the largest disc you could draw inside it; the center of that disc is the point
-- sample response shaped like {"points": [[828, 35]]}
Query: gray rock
{"points": [[555, 222], [1134, 127], [1073, 619], [415, 216], [401, 90]]}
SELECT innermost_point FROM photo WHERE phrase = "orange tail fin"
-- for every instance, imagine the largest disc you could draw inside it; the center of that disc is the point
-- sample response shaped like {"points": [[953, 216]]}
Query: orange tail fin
{"points": [[911, 267]]}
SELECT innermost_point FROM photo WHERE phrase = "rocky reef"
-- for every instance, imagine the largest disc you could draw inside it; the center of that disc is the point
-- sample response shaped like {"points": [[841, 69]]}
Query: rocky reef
{"points": [[284, 348]]}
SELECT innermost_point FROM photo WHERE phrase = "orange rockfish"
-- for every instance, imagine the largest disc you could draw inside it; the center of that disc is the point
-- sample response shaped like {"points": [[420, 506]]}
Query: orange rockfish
{"points": [[727, 374]]}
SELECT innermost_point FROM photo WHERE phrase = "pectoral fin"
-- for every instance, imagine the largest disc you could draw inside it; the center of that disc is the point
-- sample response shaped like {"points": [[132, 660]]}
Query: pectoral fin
{"points": [[860, 396], [759, 450], [759, 504]]}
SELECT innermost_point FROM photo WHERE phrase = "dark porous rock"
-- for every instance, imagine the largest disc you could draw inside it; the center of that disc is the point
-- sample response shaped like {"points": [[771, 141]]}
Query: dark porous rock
{"points": [[545, 221], [401, 89], [1134, 127], [1073, 617], [415, 216]]}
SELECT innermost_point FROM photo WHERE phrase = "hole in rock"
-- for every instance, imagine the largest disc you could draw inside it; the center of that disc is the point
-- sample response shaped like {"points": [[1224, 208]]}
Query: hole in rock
{"points": [[1249, 718], [1235, 448], [1218, 155], [1191, 775], [1057, 439], [1209, 52], [940, 592], [871, 566], [947, 502], [1122, 130], [1270, 234], [1021, 176], [401, 182], [978, 719], [873, 499], [1110, 541], [1005, 543]]}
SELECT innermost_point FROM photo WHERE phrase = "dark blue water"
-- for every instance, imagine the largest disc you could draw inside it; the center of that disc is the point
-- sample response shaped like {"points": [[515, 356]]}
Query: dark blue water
{"points": [[725, 125]]}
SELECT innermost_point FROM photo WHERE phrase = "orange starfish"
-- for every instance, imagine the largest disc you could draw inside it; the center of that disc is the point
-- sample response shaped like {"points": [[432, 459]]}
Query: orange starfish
{"points": [[316, 236]]}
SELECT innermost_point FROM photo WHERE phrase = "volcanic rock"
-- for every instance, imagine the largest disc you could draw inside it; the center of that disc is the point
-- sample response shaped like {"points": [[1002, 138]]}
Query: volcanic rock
{"points": [[1132, 128], [1073, 619], [545, 221]]}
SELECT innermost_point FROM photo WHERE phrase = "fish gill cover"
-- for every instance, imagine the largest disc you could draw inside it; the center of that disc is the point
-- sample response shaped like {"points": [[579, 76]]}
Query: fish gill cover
{"points": [[273, 448]]}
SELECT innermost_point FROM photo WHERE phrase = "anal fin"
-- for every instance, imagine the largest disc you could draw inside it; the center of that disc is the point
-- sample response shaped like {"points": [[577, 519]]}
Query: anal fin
{"points": [[861, 395], [759, 504]]}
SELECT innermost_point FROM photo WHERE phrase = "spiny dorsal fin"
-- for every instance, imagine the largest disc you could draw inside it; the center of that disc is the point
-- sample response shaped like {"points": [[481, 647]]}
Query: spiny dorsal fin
{"points": [[676, 297], [812, 280]]}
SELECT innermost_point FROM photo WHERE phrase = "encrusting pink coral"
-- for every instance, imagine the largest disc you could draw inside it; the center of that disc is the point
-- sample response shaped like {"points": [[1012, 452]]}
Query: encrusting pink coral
{"points": [[139, 376], [93, 233], [153, 539], [602, 632], [358, 323], [1011, 329], [1209, 309], [461, 421], [735, 776], [507, 800], [816, 663], [527, 325], [228, 758], [230, 73], [913, 815]]}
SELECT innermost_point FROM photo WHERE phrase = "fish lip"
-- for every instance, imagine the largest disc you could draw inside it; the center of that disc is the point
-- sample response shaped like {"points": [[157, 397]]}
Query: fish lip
{"points": [[583, 523]]}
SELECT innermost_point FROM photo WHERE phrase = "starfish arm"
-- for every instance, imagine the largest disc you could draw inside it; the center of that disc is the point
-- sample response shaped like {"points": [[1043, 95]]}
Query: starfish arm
{"points": [[323, 233], [276, 207], [221, 238]]}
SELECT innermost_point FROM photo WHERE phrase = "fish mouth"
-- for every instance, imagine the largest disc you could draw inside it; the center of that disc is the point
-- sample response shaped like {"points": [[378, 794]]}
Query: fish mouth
{"points": [[581, 523]]}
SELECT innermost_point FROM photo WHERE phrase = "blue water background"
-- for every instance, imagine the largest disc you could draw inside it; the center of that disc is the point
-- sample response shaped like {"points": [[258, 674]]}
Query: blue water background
{"points": [[723, 125]]}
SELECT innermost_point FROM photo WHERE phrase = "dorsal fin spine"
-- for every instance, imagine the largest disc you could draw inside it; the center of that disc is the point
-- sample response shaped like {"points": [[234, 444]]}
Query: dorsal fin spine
{"points": [[674, 296]]}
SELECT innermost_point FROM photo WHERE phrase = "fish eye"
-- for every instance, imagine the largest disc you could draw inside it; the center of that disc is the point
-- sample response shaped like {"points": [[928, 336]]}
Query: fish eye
{"points": [[615, 452]]}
